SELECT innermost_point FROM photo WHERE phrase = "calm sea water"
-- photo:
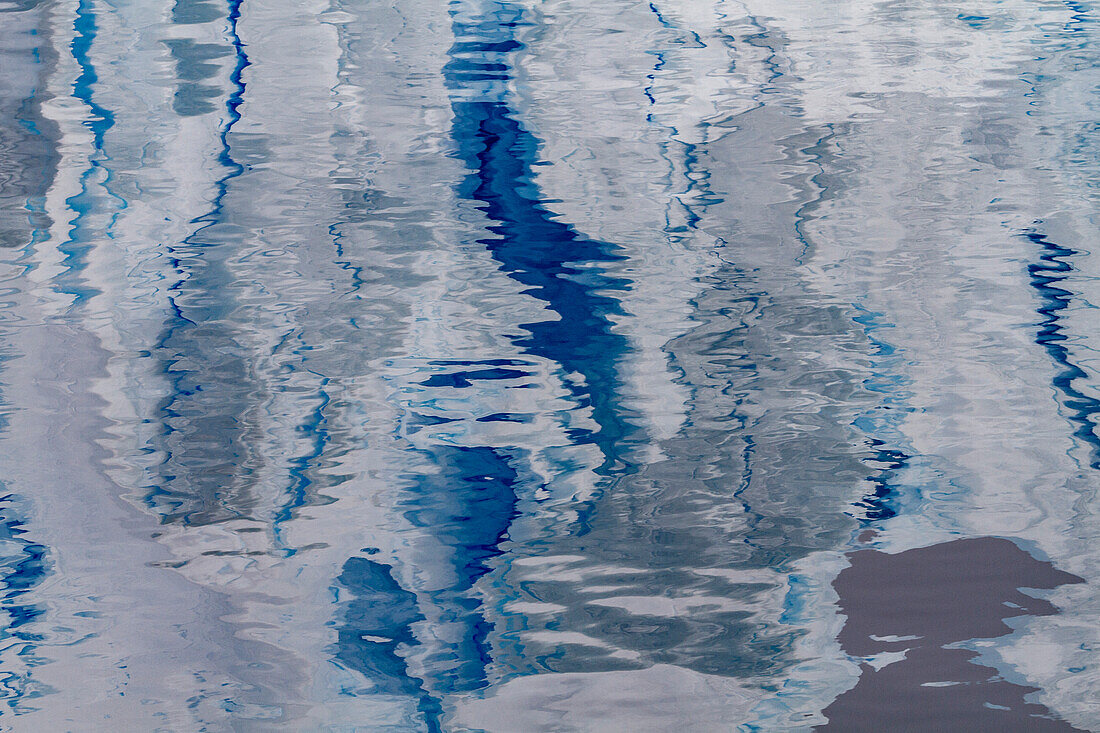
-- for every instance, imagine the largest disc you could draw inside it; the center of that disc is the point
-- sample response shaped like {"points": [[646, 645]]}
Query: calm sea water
{"points": [[409, 365]]}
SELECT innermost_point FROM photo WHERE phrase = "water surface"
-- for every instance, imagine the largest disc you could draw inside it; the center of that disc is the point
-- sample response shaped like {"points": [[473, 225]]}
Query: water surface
{"points": [[546, 366]]}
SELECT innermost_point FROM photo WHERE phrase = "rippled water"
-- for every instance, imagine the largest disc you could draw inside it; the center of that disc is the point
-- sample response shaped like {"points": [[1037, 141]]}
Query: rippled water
{"points": [[545, 366]]}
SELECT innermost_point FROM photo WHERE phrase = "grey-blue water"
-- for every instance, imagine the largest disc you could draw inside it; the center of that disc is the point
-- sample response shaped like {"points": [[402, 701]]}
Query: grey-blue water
{"points": [[411, 365]]}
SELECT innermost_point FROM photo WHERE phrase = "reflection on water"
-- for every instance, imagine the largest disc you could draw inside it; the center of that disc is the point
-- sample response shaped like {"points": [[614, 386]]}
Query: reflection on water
{"points": [[492, 365]]}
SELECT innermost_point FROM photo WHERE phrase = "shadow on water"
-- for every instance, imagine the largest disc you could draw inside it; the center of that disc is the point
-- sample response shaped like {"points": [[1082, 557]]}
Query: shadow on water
{"points": [[923, 604]]}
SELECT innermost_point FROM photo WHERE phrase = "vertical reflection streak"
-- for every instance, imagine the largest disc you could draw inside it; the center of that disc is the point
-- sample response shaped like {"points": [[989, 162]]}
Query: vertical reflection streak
{"points": [[194, 329], [557, 264], [28, 158], [469, 500], [99, 121], [1054, 267]]}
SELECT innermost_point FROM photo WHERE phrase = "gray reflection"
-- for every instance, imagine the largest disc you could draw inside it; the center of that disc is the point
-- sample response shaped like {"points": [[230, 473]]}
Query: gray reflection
{"points": [[27, 139], [207, 473], [762, 473]]}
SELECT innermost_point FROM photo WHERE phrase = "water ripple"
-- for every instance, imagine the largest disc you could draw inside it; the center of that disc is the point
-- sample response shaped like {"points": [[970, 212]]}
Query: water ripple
{"points": [[441, 365]]}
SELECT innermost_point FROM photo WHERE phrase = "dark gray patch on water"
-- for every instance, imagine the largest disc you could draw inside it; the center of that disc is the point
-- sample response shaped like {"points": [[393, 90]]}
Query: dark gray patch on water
{"points": [[28, 157], [922, 600]]}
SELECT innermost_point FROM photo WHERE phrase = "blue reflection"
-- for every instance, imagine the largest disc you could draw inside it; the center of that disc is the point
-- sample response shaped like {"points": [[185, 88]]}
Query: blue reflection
{"points": [[558, 265], [470, 502], [376, 622], [884, 426], [23, 566], [1054, 268], [467, 506], [99, 121]]}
